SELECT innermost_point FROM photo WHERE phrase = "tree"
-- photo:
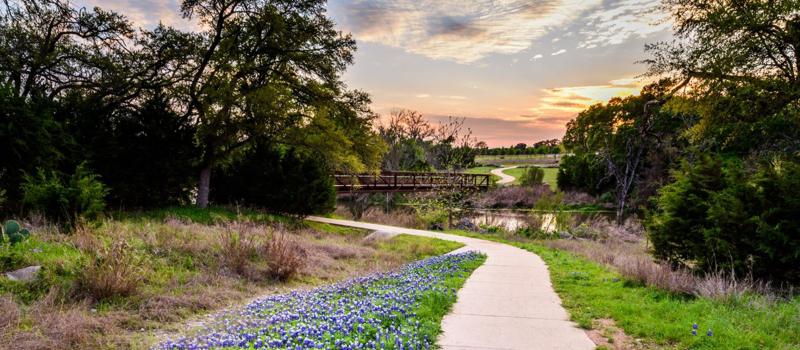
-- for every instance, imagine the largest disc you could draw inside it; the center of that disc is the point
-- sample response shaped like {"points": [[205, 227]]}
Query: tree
{"points": [[718, 215], [260, 68], [414, 144], [280, 180], [742, 62], [622, 133]]}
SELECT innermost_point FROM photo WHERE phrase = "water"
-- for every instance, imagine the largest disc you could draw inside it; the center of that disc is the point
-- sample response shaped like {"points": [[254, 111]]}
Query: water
{"points": [[511, 221]]}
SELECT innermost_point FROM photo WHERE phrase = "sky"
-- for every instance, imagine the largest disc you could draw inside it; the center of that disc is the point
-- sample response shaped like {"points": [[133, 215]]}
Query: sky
{"points": [[516, 70]]}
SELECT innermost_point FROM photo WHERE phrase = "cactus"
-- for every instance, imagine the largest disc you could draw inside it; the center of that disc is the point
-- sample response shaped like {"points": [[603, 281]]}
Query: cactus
{"points": [[14, 232]]}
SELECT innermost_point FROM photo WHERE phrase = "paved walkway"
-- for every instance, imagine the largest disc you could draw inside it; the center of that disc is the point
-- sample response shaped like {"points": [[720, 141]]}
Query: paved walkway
{"points": [[507, 303], [504, 178]]}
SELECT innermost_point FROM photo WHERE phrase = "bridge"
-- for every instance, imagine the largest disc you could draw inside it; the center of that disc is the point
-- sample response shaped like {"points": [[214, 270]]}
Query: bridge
{"points": [[399, 181]]}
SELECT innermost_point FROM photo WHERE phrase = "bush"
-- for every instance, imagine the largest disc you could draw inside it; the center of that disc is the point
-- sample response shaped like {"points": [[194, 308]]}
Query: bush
{"points": [[113, 271], [284, 256], [721, 216], [284, 182], [65, 199], [532, 176], [585, 173]]}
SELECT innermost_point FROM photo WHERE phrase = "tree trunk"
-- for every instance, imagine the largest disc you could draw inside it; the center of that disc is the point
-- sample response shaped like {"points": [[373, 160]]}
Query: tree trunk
{"points": [[620, 210], [203, 187]]}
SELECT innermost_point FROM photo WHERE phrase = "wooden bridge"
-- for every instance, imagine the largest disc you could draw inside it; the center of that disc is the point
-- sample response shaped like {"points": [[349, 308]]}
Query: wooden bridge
{"points": [[396, 181]]}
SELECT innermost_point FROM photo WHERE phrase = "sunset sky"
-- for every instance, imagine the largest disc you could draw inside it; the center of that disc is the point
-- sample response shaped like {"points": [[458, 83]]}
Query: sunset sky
{"points": [[518, 70]]}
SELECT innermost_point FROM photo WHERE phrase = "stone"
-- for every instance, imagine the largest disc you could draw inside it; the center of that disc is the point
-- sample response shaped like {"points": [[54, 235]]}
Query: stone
{"points": [[565, 235], [25, 274], [467, 225], [380, 236], [436, 227]]}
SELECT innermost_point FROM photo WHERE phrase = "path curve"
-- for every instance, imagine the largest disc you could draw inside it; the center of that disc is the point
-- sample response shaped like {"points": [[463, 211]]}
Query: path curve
{"points": [[507, 303], [504, 178]]}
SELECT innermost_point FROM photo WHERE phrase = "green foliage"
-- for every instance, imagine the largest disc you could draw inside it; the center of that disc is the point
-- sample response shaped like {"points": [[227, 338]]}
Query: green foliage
{"points": [[583, 172], [418, 247], [13, 232], [720, 215], [285, 182], [65, 199], [145, 156], [532, 176]]}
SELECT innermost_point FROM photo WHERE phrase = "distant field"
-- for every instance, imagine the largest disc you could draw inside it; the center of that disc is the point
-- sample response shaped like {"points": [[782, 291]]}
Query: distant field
{"points": [[483, 170], [550, 175], [519, 159]]}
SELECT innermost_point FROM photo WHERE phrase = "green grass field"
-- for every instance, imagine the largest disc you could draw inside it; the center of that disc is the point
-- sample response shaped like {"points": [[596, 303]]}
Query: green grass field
{"points": [[483, 170], [517, 159], [550, 175], [590, 291]]}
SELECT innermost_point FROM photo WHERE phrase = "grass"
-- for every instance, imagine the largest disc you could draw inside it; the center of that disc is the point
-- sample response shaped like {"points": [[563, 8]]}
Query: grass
{"points": [[486, 170], [184, 262], [416, 248], [517, 159], [590, 292], [550, 176]]}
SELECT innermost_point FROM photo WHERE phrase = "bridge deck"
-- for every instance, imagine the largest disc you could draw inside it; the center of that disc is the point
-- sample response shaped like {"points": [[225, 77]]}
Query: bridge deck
{"points": [[395, 181]]}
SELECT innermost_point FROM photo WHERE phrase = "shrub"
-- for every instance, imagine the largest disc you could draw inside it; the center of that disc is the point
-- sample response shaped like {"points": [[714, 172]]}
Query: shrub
{"points": [[284, 256], [284, 182], [13, 232], [512, 197], [585, 173], [65, 199], [719, 216], [240, 245], [113, 271], [532, 176]]}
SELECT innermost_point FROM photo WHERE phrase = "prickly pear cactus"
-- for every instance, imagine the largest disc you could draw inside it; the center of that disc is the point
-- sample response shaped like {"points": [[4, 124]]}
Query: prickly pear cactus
{"points": [[14, 232]]}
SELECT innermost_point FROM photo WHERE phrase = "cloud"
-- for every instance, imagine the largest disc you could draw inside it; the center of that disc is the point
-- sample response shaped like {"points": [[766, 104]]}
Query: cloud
{"points": [[536, 57], [500, 132], [621, 20], [456, 30], [423, 95], [558, 52], [573, 99]]}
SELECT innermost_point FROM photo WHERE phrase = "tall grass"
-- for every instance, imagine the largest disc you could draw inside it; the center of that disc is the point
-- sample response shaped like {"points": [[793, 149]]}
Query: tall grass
{"points": [[633, 262]]}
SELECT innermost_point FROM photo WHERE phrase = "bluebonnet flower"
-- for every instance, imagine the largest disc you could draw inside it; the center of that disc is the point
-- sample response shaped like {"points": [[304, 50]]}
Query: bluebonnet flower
{"points": [[370, 312]]}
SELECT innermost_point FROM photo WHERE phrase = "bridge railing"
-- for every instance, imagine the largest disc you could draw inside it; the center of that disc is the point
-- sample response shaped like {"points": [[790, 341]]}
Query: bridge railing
{"points": [[398, 181]]}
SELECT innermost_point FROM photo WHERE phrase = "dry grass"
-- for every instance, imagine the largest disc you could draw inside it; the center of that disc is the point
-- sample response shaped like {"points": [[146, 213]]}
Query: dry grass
{"points": [[148, 273], [633, 262], [113, 272], [52, 324], [512, 197], [602, 228], [284, 256]]}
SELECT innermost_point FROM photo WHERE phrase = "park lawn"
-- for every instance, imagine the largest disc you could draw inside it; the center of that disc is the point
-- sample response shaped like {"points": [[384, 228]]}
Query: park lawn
{"points": [[487, 170], [550, 176], [181, 262], [590, 291], [516, 159]]}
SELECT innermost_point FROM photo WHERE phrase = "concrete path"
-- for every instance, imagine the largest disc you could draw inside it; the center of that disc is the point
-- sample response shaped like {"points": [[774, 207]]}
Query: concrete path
{"points": [[507, 303], [504, 178]]}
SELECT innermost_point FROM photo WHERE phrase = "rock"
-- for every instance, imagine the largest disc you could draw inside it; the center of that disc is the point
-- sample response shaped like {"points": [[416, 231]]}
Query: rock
{"points": [[467, 225], [565, 235], [436, 227], [24, 274], [380, 236]]}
